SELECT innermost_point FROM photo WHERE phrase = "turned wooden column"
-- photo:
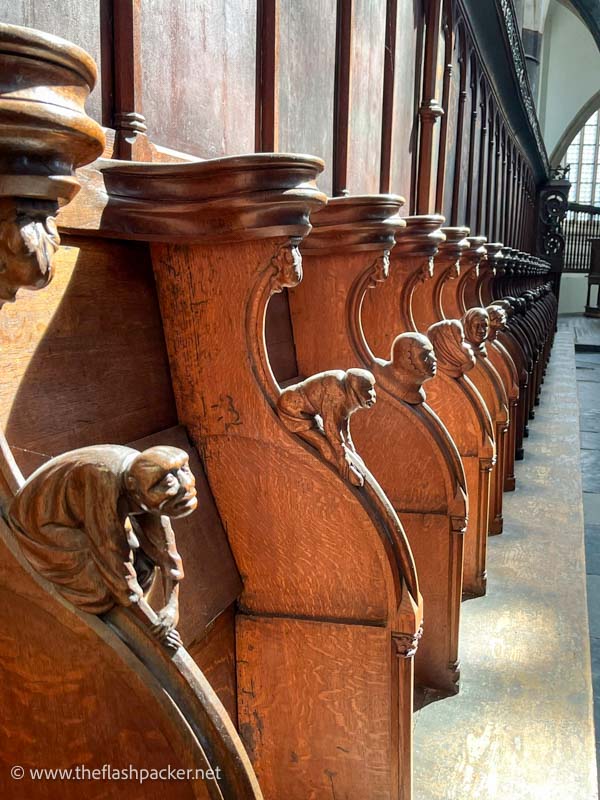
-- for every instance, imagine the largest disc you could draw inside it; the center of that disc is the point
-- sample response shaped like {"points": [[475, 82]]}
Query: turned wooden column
{"points": [[401, 440], [330, 614], [428, 298]]}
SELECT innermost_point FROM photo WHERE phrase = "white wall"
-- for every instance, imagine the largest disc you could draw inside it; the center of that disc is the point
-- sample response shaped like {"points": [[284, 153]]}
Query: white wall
{"points": [[573, 293], [570, 71]]}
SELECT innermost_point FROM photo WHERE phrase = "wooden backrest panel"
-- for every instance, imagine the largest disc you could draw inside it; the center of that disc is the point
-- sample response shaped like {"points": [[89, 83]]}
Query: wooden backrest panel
{"points": [[84, 362]]}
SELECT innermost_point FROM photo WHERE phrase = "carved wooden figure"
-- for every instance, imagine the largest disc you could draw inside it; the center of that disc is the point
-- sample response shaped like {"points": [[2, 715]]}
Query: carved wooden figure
{"points": [[464, 412], [486, 378], [428, 298], [67, 534], [330, 586], [401, 440], [95, 523]]}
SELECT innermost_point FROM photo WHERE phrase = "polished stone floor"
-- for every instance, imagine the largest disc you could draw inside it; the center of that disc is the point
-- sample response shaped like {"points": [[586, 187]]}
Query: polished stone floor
{"points": [[521, 727]]}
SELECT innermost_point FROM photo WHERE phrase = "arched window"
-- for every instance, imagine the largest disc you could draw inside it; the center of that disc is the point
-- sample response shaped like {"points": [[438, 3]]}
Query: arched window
{"points": [[583, 154]]}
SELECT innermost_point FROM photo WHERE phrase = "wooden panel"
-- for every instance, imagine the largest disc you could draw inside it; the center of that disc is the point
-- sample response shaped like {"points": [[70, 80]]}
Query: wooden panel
{"points": [[215, 655], [75, 20], [84, 361], [343, 751], [407, 90], [306, 78], [366, 95], [198, 62], [280, 338]]}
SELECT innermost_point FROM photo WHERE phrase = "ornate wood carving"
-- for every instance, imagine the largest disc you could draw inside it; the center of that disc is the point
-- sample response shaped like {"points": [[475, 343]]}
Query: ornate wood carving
{"points": [[95, 522], [317, 575], [78, 518], [462, 408], [489, 383], [346, 258], [319, 409]]}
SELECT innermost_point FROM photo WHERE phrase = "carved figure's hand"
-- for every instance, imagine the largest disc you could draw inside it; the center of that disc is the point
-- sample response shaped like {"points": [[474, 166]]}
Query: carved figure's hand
{"points": [[351, 472], [164, 629]]}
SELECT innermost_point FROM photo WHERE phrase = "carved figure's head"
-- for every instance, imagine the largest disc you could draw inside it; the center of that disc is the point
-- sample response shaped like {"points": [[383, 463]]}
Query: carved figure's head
{"points": [[380, 269], [361, 387], [477, 326], [28, 241], [497, 315], [414, 362], [454, 354], [159, 480], [288, 266]]}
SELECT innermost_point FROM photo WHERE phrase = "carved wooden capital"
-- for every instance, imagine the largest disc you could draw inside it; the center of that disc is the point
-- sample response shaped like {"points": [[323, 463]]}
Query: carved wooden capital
{"points": [[407, 643], [450, 252], [421, 237], [355, 223]]}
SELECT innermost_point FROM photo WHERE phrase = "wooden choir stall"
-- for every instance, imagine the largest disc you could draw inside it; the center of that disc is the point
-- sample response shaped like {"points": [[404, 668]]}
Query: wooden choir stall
{"points": [[259, 411]]}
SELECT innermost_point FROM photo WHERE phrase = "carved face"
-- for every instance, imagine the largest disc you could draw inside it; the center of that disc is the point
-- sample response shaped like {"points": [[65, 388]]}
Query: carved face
{"points": [[455, 355], [290, 266], [160, 481], [427, 360], [477, 325], [381, 268], [27, 245], [497, 317], [362, 384]]}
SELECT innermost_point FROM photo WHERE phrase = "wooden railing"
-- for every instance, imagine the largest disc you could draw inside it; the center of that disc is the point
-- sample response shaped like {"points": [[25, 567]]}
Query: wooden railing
{"points": [[580, 226]]}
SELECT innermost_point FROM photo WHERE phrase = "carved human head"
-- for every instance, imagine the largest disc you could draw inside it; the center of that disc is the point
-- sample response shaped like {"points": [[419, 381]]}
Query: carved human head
{"points": [[380, 269], [288, 265], [28, 241], [361, 387], [414, 362], [476, 323], [454, 354], [159, 480], [497, 316]]}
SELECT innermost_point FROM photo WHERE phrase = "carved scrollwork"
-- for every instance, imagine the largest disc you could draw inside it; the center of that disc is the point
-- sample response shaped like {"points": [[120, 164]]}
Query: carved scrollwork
{"points": [[413, 362], [454, 354], [95, 522], [28, 241], [319, 410], [407, 643]]}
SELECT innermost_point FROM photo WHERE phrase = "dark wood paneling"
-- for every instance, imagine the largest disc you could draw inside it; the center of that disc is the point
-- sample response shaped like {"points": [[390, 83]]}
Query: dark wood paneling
{"points": [[366, 95], [75, 20], [84, 361], [403, 119], [199, 68], [306, 77]]}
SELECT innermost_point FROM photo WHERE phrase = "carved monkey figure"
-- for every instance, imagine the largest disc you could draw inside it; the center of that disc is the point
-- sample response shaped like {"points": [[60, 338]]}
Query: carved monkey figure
{"points": [[96, 523], [455, 355], [319, 410]]}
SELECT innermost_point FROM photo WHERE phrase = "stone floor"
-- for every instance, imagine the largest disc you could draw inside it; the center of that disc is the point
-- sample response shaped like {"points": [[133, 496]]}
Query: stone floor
{"points": [[588, 389], [521, 727]]}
